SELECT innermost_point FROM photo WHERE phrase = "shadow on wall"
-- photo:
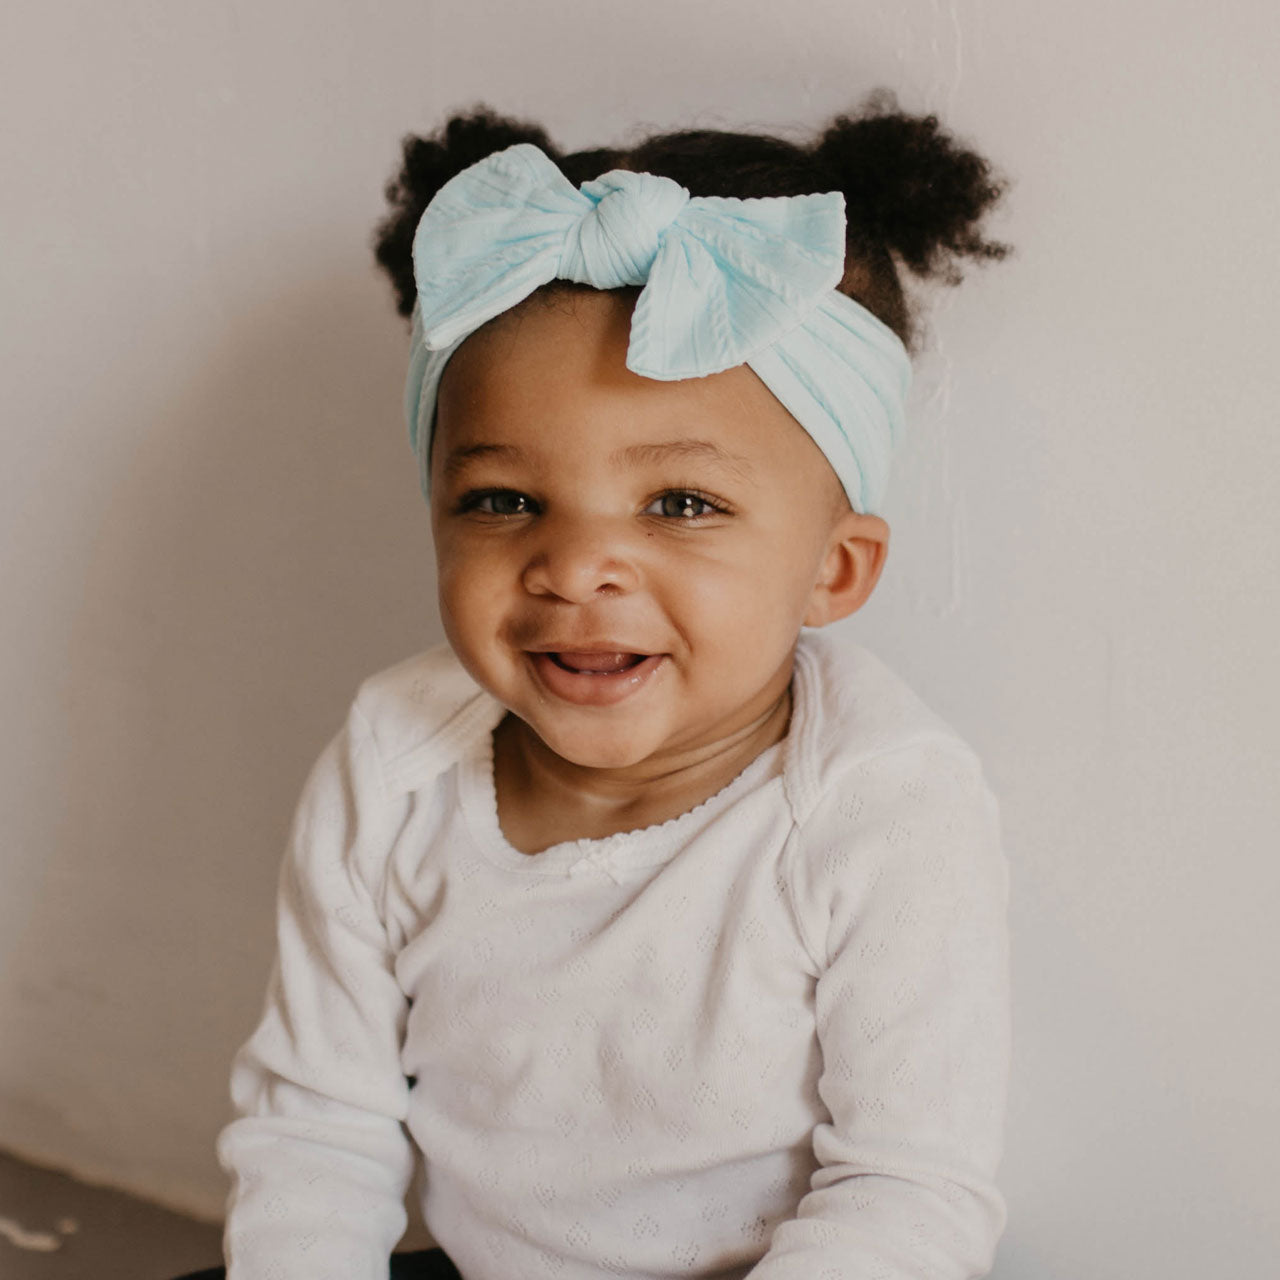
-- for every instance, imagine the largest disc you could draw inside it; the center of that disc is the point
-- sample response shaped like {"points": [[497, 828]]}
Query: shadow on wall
{"points": [[262, 550]]}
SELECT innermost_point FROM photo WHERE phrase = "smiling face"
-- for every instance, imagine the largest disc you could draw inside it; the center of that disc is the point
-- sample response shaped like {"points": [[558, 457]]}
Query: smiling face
{"points": [[625, 564]]}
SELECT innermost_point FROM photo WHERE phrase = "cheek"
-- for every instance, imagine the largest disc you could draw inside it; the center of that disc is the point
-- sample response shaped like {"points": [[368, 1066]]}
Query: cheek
{"points": [[470, 581], [762, 588]]}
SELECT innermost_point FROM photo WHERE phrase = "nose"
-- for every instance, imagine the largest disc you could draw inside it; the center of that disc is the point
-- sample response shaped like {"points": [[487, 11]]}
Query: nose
{"points": [[578, 561]]}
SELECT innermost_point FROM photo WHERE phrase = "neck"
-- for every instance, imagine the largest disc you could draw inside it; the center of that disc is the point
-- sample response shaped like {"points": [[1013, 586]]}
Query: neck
{"points": [[544, 799]]}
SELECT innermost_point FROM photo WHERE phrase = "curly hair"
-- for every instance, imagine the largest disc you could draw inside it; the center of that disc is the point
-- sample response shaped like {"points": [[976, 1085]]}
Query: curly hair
{"points": [[914, 196]]}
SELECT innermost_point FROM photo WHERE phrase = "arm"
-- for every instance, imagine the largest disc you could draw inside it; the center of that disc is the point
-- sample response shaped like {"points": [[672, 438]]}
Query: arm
{"points": [[318, 1156], [901, 891]]}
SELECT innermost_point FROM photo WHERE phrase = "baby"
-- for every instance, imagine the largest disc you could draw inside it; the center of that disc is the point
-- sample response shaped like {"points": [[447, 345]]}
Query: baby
{"points": [[669, 934]]}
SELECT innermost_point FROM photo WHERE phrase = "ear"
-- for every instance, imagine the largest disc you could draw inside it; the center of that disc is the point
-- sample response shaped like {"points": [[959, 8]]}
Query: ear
{"points": [[855, 555]]}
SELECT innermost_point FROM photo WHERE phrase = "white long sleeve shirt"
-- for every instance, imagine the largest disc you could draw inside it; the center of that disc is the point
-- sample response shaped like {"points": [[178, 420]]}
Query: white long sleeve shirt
{"points": [[769, 1036]]}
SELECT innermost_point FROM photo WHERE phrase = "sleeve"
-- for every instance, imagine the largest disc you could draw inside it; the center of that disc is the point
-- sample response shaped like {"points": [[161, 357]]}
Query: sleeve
{"points": [[318, 1156], [901, 889]]}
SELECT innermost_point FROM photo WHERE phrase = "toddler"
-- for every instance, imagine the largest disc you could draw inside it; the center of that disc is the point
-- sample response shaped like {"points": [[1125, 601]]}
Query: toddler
{"points": [[666, 927]]}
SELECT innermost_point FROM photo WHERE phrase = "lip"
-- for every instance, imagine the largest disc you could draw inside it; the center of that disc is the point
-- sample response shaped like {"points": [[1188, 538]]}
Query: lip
{"points": [[593, 688]]}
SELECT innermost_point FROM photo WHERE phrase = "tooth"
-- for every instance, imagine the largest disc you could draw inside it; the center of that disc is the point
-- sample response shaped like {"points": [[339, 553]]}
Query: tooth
{"points": [[601, 663]]}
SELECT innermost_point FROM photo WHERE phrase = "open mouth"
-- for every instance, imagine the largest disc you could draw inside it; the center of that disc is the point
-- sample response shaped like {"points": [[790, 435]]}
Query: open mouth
{"points": [[596, 678]]}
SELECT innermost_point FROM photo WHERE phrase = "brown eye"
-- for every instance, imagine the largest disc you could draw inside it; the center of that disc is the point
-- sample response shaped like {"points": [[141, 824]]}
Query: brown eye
{"points": [[498, 502], [681, 505]]}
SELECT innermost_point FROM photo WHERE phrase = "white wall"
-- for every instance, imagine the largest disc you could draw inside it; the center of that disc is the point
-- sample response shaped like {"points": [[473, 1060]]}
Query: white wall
{"points": [[210, 531]]}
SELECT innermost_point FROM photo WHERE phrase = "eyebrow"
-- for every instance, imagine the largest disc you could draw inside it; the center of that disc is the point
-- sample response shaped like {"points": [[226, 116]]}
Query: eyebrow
{"points": [[458, 458], [697, 450], [703, 450]]}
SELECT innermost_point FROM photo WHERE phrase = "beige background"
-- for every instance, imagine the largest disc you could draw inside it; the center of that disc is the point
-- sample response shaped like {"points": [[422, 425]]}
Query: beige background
{"points": [[210, 530]]}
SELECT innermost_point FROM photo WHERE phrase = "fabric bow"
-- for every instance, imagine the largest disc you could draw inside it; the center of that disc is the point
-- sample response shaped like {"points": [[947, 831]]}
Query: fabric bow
{"points": [[725, 282], [723, 278]]}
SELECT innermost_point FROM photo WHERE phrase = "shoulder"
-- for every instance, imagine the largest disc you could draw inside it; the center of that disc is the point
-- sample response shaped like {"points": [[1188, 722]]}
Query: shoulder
{"points": [[892, 805], [405, 726], [421, 715], [854, 716]]}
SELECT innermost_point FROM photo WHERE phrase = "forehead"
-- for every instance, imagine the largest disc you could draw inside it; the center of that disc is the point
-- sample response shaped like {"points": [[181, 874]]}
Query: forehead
{"points": [[550, 375]]}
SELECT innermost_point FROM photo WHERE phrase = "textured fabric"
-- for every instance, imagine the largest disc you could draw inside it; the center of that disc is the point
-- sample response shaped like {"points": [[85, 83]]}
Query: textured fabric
{"points": [[423, 1264], [769, 1036], [726, 282]]}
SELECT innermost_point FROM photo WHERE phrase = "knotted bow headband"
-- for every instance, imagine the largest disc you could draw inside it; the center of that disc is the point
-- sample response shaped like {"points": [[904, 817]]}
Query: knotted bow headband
{"points": [[726, 282]]}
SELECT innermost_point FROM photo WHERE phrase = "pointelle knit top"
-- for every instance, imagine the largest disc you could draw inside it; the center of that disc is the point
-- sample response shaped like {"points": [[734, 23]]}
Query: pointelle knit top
{"points": [[767, 1037]]}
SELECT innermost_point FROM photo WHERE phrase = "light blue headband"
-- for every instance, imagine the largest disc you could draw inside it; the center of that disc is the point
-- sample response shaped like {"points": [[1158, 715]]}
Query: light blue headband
{"points": [[726, 282]]}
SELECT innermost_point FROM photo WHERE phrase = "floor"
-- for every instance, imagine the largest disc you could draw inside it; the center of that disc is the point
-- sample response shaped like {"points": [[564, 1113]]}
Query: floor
{"points": [[55, 1228]]}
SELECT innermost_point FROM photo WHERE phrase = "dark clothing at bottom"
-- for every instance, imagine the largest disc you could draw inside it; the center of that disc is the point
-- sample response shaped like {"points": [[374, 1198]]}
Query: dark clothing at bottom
{"points": [[426, 1264]]}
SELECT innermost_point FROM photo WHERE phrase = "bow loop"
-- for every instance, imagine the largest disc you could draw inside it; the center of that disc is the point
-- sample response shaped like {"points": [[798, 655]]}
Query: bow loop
{"points": [[489, 238], [731, 278]]}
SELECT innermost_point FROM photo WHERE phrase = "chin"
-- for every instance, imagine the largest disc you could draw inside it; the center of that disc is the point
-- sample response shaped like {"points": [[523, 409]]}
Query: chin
{"points": [[598, 750]]}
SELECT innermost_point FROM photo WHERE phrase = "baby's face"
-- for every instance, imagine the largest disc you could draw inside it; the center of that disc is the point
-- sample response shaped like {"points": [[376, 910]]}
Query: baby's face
{"points": [[625, 564]]}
